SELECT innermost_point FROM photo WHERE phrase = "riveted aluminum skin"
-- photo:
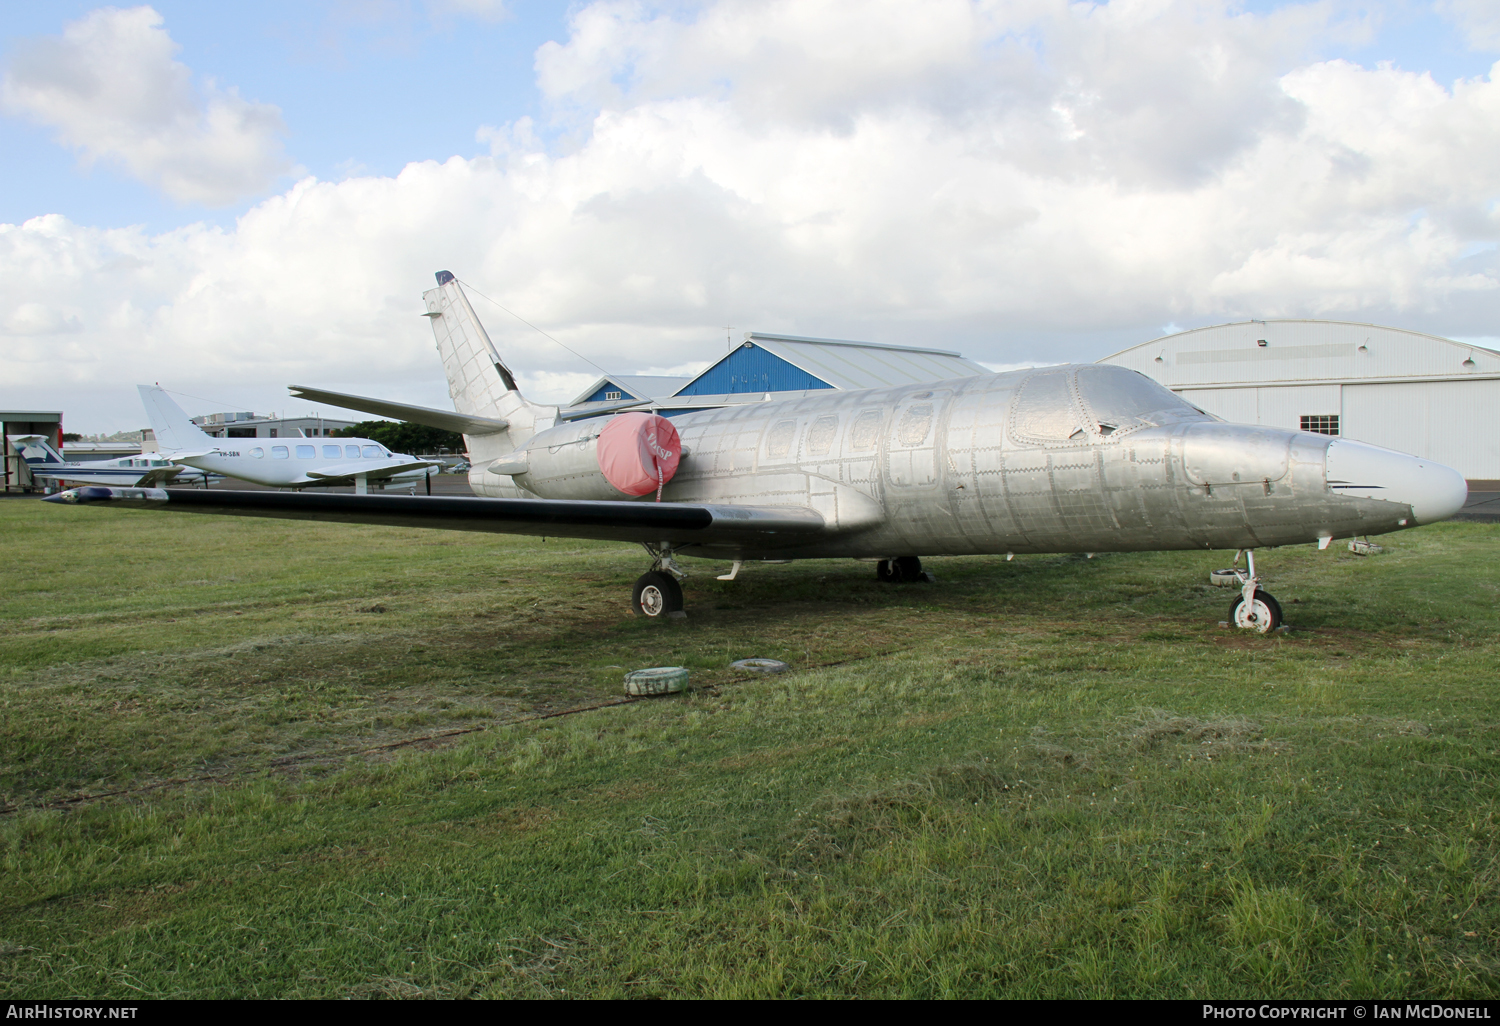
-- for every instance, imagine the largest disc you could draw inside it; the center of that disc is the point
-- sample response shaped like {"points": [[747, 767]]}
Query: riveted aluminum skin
{"points": [[1090, 458]]}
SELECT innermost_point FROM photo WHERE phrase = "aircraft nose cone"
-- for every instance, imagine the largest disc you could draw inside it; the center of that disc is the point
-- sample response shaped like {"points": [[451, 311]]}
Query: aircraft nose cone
{"points": [[1433, 491]]}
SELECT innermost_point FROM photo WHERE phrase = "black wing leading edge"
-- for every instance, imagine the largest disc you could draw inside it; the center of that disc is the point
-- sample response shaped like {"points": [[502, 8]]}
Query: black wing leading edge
{"points": [[672, 522]]}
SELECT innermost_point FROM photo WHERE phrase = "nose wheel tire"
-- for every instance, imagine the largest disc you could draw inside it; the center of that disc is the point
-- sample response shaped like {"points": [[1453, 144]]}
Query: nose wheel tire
{"points": [[657, 594], [1262, 615]]}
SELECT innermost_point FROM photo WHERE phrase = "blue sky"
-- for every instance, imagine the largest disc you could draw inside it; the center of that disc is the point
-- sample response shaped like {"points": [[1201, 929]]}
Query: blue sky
{"points": [[365, 88], [1029, 182], [362, 88]]}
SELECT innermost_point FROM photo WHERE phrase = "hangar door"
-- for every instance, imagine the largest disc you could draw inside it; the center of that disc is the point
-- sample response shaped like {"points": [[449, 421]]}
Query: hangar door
{"points": [[1281, 406], [1452, 422]]}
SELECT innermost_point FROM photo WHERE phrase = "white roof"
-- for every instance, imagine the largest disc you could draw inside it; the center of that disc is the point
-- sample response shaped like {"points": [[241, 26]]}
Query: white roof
{"points": [[1303, 351]]}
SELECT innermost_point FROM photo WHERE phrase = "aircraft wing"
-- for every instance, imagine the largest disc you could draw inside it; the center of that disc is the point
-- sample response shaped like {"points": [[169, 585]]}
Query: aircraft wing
{"points": [[463, 423], [373, 470], [676, 522], [158, 476]]}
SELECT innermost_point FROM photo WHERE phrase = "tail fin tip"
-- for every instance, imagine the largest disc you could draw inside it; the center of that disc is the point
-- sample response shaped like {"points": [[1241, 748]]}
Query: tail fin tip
{"points": [[444, 277]]}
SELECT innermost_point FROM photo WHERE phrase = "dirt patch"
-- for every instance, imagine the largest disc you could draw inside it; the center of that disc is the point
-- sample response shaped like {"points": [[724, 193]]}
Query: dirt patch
{"points": [[848, 825], [1228, 734]]}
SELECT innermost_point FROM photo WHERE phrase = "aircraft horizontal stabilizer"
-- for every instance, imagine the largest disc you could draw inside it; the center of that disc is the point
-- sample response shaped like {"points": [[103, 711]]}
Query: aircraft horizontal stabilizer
{"points": [[447, 420], [675, 523], [158, 476]]}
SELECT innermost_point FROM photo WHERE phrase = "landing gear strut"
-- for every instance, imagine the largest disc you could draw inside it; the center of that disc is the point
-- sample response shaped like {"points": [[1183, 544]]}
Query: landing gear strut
{"points": [[904, 570], [657, 593], [1253, 609]]}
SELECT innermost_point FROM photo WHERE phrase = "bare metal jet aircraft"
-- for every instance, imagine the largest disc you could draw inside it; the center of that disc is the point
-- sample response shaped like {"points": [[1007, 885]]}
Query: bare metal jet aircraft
{"points": [[1091, 458]]}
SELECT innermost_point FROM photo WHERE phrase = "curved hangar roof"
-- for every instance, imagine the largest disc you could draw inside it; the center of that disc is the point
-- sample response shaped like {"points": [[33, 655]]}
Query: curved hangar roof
{"points": [[1296, 352]]}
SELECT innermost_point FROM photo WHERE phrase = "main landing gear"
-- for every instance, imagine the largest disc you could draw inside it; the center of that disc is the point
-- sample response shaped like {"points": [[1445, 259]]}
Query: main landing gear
{"points": [[657, 594], [903, 570], [1253, 609]]}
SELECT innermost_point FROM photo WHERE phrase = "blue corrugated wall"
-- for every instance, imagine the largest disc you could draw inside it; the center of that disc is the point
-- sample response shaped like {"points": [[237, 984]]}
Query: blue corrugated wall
{"points": [[751, 369], [598, 397]]}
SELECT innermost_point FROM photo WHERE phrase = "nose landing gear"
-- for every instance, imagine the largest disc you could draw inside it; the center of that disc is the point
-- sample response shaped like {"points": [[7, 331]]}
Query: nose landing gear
{"points": [[1253, 609]]}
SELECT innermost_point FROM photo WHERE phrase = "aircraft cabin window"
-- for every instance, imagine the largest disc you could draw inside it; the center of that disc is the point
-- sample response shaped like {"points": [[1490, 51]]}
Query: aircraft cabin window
{"points": [[351, 452], [372, 452], [258, 453], [332, 452], [820, 438], [278, 452], [864, 431], [914, 424], [779, 439], [306, 452]]}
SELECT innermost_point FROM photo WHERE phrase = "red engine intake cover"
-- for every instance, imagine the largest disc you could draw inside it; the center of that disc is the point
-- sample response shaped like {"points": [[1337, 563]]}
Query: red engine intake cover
{"points": [[639, 452]]}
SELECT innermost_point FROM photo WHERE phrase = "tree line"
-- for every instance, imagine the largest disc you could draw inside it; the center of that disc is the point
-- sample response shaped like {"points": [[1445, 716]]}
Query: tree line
{"points": [[400, 436]]}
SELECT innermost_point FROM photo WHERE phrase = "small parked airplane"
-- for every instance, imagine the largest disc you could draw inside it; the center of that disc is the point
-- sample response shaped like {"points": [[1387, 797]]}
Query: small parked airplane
{"points": [[147, 470], [1090, 458], [280, 463]]}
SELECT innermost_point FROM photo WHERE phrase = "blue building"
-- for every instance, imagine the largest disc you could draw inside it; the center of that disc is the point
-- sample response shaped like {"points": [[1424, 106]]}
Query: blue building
{"points": [[769, 367]]}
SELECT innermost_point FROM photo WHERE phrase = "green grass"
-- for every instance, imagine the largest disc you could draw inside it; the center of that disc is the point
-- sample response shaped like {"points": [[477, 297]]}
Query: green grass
{"points": [[226, 775]]}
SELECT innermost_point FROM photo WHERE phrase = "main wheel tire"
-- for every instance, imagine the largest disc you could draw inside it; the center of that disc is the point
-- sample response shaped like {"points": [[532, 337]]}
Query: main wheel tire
{"points": [[903, 570], [1263, 616], [657, 594]]}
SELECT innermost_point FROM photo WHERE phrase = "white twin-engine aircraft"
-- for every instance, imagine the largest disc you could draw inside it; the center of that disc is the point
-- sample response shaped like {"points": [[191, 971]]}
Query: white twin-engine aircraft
{"points": [[147, 470], [279, 463], [1091, 458]]}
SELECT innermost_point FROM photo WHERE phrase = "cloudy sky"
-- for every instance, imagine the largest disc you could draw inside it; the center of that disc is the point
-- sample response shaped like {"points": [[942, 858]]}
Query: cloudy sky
{"points": [[229, 199]]}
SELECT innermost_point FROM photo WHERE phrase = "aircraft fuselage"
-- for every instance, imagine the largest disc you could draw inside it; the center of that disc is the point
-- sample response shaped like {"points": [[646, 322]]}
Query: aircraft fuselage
{"points": [[963, 466]]}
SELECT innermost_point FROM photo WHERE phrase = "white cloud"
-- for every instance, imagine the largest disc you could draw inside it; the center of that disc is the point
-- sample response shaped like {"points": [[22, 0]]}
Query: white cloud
{"points": [[1479, 20], [1004, 178], [110, 87]]}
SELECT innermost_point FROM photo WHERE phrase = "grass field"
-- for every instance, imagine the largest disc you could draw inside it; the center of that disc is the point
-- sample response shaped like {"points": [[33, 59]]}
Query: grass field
{"points": [[260, 758]]}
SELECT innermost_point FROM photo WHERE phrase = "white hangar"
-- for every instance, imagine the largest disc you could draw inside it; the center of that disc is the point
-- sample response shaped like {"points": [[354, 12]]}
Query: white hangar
{"points": [[1421, 394]]}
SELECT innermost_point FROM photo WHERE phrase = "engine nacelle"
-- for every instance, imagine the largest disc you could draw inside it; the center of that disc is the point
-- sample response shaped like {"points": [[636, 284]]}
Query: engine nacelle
{"points": [[625, 456]]}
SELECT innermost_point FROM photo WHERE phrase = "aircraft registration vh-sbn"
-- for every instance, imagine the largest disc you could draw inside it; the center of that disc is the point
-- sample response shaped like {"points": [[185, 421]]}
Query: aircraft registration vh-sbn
{"points": [[1091, 458]]}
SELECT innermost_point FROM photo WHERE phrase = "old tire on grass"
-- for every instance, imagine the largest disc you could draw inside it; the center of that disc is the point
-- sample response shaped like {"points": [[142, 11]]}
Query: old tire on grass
{"points": [[760, 666], [657, 680]]}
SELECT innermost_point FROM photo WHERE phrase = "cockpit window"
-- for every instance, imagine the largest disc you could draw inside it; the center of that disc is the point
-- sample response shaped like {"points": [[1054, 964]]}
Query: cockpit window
{"points": [[374, 452], [1093, 403], [1119, 399]]}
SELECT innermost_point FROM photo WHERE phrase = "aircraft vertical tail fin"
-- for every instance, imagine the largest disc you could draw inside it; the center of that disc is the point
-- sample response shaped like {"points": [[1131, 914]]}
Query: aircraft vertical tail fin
{"points": [[174, 431], [36, 450], [478, 379]]}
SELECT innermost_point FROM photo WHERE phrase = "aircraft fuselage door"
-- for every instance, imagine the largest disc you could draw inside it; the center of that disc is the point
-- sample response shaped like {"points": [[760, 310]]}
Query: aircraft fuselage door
{"points": [[911, 447]]}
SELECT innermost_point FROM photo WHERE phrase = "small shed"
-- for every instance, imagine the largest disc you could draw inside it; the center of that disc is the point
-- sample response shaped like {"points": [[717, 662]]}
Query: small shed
{"points": [[27, 422]]}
